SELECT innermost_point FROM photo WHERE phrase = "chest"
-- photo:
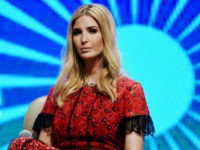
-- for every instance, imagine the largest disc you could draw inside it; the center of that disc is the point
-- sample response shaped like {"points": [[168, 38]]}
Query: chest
{"points": [[88, 115]]}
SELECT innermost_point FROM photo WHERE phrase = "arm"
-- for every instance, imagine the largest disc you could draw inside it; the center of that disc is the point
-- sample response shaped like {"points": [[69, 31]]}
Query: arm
{"points": [[138, 122], [134, 141], [45, 136], [43, 123]]}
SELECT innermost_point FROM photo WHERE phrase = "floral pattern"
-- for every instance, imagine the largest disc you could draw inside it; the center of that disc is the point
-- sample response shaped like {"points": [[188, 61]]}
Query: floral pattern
{"points": [[90, 120]]}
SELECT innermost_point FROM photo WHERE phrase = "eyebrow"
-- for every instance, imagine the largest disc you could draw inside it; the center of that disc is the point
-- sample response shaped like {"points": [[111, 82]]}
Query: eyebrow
{"points": [[87, 27]]}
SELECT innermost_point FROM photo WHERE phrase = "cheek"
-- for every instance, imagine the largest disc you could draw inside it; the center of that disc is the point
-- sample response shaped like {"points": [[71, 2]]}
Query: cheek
{"points": [[75, 46], [75, 42], [99, 42]]}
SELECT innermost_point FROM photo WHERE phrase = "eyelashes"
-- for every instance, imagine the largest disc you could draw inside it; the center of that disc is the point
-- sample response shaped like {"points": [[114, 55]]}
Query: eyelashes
{"points": [[76, 32], [93, 31]]}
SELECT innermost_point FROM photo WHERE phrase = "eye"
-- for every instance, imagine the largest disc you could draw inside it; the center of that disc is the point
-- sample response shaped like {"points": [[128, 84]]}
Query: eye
{"points": [[93, 31], [76, 32]]}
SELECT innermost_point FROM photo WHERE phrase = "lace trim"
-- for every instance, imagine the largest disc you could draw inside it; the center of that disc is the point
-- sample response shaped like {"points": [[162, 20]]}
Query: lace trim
{"points": [[139, 124], [43, 121]]}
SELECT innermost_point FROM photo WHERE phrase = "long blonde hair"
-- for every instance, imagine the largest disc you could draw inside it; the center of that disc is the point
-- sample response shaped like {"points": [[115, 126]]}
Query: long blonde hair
{"points": [[72, 75]]}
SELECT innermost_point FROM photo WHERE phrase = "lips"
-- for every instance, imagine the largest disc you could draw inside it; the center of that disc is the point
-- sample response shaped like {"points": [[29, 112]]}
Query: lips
{"points": [[85, 49]]}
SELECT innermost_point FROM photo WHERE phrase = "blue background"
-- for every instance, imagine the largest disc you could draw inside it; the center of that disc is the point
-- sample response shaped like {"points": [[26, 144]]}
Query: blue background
{"points": [[159, 42]]}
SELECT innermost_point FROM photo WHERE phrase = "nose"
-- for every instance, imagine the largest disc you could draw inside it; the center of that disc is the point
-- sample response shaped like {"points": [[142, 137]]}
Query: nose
{"points": [[84, 38]]}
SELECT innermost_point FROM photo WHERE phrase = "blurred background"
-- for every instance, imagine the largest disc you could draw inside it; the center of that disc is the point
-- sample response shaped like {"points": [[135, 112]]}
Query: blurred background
{"points": [[159, 42]]}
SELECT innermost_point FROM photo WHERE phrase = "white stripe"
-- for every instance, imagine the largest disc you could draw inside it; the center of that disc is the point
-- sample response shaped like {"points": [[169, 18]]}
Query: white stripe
{"points": [[134, 6], [190, 135], [12, 49], [11, 81], [176, 12], [15, 14], [1, 98], [153, 144], [196, 66], [197, 97], [171, 142], [194, 115], [192, 26], [11, 113], [195, 48], [197, 82], [56, 6], [5, 146], [154, 8], [114, 8], [86, 1]]}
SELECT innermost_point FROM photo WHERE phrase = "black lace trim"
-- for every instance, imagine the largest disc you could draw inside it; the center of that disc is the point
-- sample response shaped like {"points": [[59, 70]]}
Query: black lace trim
{"points": [[43, 121], [141, 124]]}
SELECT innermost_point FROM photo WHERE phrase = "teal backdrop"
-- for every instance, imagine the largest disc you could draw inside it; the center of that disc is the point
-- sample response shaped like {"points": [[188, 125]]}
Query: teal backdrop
{"points": [[159, 42]]}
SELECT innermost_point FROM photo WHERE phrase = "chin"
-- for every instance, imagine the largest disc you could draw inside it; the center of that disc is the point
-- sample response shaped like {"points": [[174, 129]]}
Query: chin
{"points": [[89, 58]]}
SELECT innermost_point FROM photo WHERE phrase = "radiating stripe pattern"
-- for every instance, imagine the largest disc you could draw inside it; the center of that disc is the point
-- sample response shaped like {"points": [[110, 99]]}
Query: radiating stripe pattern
{"points": [[32, 35]]}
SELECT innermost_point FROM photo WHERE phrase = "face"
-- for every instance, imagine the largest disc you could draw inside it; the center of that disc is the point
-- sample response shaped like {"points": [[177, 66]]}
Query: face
{"points": [[87, 38]]}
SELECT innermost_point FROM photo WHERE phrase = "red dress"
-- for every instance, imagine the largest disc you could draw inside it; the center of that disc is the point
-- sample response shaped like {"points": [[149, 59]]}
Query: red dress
{"points": [[90, 120]]}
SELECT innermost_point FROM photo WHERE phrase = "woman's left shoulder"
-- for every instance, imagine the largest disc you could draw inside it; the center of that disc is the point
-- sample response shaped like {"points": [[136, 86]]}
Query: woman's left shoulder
{"points": [[126, 85], [127, 82]]}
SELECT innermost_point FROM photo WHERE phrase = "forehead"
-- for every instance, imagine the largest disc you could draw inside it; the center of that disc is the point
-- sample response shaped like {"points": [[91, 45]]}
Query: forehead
{"points": [[84, 21]]}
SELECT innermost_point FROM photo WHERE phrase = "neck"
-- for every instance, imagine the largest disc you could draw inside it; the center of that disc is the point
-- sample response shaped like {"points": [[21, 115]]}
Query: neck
{"points": [[93, 69]]}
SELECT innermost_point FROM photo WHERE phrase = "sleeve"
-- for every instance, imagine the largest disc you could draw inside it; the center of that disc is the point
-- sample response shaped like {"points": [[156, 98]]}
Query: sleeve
{"points": [[136, 115], [45, 118]]}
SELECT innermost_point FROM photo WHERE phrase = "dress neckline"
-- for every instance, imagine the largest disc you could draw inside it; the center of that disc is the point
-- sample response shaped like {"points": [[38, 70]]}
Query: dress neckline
{"points": [[90, 84]]}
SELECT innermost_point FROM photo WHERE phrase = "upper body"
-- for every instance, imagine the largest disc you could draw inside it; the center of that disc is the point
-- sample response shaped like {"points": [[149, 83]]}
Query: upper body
{"points": [[110, 114], [91, 120]]}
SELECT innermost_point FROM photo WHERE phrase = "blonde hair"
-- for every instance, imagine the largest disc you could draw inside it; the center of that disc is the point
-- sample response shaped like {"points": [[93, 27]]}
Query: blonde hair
{"points": [[72, 75]]}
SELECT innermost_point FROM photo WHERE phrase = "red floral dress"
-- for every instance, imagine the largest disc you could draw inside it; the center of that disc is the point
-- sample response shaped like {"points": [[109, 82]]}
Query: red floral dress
{"points": [[90, 120]]}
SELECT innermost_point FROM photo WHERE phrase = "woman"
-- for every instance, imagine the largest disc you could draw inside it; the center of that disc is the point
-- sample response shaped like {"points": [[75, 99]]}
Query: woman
{"points": [[92, 105]]}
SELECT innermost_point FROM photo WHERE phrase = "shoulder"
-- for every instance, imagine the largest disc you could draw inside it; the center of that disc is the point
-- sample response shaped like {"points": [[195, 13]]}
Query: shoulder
{"points": [[50, 104], [52, 89], [51, 98], [133, 97], [127, 86], [127, 82]]}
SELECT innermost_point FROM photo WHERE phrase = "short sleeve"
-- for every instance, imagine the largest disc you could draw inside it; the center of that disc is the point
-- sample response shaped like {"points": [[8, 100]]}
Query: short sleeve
{"points": [[45, 118], [50, 105], [135, 101], [136, 115]]}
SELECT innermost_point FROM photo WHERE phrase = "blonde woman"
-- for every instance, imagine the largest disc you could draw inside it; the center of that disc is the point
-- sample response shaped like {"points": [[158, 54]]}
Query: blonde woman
{"points": [[92, 105]]}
